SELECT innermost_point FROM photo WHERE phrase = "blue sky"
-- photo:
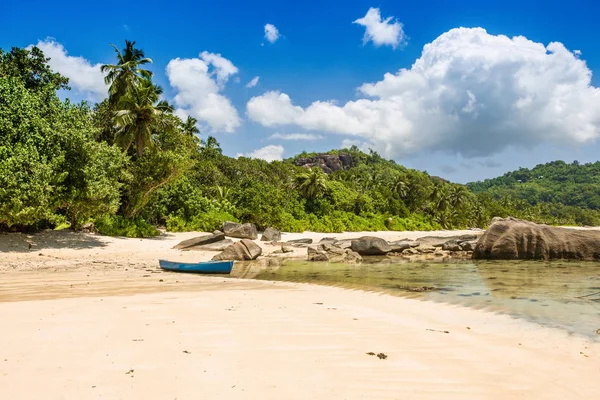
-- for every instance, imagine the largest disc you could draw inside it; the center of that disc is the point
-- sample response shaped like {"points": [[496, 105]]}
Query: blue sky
{"points": [[478, 105]]}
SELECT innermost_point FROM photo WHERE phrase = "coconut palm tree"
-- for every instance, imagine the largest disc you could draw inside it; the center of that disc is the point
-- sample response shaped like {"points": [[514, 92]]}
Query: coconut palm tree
{"points": [[126, 73], [400, 187], [138, 114], [190, 129], [312, 183]]}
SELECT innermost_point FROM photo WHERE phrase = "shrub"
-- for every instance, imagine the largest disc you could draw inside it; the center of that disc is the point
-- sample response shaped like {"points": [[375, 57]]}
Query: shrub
{"points": [[119, 226]]}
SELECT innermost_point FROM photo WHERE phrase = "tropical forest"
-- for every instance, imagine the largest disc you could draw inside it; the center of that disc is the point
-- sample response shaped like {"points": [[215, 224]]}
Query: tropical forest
{"points": [[130, 166]]}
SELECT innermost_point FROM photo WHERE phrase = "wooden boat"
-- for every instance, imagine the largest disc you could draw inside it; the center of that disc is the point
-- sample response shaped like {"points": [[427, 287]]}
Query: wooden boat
{"points": [[203, 267]]}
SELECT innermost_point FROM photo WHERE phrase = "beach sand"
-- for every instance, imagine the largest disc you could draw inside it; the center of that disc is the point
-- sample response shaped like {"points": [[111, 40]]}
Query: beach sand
{"points": [[94, 318]]}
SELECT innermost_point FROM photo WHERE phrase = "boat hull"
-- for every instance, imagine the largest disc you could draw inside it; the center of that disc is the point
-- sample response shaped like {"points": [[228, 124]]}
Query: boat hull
{"points": [[206, 267]]}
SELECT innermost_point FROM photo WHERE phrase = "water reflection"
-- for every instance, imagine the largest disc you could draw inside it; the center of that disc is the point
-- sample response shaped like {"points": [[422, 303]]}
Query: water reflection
{"points": [[549, 293]]}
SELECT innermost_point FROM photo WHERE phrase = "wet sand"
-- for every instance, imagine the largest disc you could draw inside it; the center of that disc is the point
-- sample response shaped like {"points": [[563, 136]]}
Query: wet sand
{"points": [[81, 325]]}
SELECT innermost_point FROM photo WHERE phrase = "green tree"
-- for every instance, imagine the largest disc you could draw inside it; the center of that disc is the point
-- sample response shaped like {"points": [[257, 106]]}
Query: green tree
{"points": [[126, 73], [139, 114], [312, 183]]}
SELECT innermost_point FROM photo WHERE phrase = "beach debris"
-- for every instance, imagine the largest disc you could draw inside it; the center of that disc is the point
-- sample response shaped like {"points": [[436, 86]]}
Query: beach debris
{"points": [[598, 331], [417, 288], [187, 352], [129, 372], [583, 354], [436, 330], [137, 340], [381, 356], [319, 304]]}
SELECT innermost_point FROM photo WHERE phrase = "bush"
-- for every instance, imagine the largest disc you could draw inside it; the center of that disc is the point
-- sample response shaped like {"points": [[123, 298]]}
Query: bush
{"points": [[119, 226], [206, 222]]}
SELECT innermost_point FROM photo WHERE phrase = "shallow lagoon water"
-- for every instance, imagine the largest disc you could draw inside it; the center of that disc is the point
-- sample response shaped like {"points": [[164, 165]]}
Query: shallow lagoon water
{"points": [[556, 294]]}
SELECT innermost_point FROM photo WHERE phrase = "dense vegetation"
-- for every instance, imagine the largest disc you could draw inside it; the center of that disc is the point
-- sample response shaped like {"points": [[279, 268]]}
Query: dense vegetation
{"points": [[128, 165]]}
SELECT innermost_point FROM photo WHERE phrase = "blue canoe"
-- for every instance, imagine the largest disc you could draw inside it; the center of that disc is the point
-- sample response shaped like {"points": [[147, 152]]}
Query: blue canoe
{"points": [[204, 267]]}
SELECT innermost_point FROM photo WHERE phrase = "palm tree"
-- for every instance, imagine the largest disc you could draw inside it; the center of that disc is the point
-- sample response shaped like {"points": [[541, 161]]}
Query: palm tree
{"points": [[400, 187], [126, 73], [312, 183], [190, 129], [457, 196], [138, 114]]}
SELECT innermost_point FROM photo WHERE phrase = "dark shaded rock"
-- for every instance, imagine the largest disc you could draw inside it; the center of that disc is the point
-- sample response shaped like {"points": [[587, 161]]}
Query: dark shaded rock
{"points": [[468, 245], [316, 253], [515, 239], [370, 246], [271, 234], [200, 240], [216, 246], [241, 251], [300, 241], [240, 231], [451, 245]]}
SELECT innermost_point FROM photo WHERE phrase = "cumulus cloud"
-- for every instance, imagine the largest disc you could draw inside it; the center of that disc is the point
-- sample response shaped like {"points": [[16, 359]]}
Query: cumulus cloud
{"points": [[85, 78], [470, 93], [268, 153], [381, 31], [198, 82], [296, 136], [253, 82], [271, 33]]}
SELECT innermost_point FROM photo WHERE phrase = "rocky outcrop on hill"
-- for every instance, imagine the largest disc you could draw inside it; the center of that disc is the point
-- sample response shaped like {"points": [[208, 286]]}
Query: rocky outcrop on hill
{"points": [[327, 162], [240, 231], [515, 239], [240, 251]]}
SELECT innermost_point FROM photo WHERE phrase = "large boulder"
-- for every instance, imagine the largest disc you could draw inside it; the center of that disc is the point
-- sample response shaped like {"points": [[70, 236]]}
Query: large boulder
{"points": [[401, 245], [240, 251], [515, 239], [216, 246], [200, 240], [271, 235], [240, 231], [300, 242], [370, 246]]}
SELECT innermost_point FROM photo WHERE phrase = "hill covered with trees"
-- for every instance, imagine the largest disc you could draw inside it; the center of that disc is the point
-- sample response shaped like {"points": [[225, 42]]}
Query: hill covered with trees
{"points": [[556, 182], [129, 165]]}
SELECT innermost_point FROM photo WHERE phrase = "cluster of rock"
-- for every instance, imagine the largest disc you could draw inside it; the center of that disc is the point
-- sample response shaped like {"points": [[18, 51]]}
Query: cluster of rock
{"points": [[242, 250], [327, 162], [515, 239], [352, 250]]}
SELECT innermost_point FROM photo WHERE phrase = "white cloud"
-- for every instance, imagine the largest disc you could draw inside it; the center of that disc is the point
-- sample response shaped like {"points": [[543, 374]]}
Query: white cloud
{"points": [[295, 136], [271, 33], [470, 93], [381, 31], [363, 146], [253, 82], [268, 153], [84, 78], [198, 82]]}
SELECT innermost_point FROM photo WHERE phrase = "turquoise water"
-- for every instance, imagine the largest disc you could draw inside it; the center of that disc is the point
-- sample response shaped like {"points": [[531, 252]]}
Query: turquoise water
{"points": [[565, 295]]}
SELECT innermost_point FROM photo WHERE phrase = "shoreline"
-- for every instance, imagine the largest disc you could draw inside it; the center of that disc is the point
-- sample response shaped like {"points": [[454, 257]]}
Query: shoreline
{"points": [[90, 309]]}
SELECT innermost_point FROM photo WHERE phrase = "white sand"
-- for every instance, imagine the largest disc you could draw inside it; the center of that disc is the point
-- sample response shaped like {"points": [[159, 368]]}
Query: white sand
{"points": [[76, 320]]}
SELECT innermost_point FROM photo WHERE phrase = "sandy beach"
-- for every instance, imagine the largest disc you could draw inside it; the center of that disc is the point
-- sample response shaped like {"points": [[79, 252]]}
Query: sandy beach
{"points": [[91, 317]]}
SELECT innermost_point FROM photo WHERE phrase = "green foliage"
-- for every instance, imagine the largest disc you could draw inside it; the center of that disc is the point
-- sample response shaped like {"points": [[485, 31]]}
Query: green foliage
{"points": [[205, 222], [117, 225]]}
